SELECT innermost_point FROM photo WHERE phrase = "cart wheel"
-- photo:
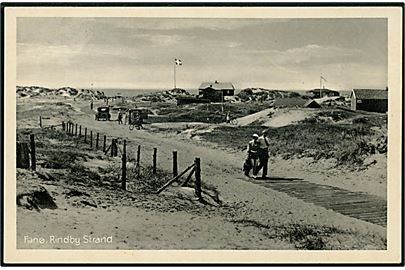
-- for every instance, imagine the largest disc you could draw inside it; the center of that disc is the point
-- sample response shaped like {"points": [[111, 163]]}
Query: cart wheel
{"points": [[138, 127], [131, 127]]}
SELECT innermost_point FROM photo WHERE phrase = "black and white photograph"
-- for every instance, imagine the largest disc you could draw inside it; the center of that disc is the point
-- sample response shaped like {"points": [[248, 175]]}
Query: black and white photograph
{"points": [[187, 129]]}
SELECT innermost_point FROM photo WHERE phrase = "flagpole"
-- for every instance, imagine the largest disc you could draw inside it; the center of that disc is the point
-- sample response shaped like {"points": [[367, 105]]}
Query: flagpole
{"points": [[320, 86], [174, 68]]}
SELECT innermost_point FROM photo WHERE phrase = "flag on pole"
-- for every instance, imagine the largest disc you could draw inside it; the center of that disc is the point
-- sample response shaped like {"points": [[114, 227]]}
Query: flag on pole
{"points": [[178, 62]]}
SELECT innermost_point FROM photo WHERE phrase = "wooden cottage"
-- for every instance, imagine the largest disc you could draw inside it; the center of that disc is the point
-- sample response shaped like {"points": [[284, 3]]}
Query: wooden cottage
{"points": [[372, 100], [216, 91], [295, 102], [322, 92]]}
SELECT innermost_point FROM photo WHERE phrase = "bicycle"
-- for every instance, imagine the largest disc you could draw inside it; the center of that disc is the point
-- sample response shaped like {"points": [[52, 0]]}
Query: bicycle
{"points": [[137, 126], [232, 121]]}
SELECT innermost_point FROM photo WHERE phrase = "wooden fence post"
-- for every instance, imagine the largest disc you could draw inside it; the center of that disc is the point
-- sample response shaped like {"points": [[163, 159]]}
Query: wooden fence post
{"points": [[23, 155], [80, 130], [97, 138], [76, 130], [175, 179], [63, 126], [116, 148], [154, 160], [91, 138], [40, 121], [112, 147], [138, 159], [188, 177], [175, 168], [33, 158], [85, 134], [104, 143], [124, 166], [197, 163]]}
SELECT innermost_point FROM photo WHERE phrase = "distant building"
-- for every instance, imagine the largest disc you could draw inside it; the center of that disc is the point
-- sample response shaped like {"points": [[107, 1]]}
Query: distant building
{"points": [[216, 91], [295, 102], [372, 100], [181, 100], [322, 92]]}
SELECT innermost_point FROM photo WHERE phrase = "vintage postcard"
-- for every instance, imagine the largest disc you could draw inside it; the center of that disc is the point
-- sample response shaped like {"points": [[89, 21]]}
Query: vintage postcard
{"points": [[257, 134]]}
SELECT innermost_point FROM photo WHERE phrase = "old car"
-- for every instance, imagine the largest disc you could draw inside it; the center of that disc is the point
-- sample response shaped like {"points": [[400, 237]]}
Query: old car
{"points": [[103, 113]]}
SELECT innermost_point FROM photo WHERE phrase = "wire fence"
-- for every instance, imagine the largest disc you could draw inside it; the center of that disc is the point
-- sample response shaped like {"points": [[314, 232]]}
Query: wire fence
{"points": [[112, 146]]}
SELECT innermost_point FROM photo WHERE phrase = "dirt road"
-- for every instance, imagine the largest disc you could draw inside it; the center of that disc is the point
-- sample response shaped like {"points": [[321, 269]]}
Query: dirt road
{"points": [[223, 170], [262, 207]]}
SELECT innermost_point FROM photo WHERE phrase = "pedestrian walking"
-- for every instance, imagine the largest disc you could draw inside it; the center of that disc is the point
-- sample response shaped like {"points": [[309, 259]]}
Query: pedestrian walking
{"points": [[119, 117], [125, 118], [252, 158], [263, 154]]}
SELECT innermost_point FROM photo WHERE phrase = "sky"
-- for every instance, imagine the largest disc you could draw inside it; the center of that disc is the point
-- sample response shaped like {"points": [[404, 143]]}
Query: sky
{"points": [[139, 53]]}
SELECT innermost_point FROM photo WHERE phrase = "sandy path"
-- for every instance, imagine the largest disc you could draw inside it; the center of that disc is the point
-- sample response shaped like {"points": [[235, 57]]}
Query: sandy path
{"points": [[222, 169], [286, 117], [144, 229], [248, 119]]}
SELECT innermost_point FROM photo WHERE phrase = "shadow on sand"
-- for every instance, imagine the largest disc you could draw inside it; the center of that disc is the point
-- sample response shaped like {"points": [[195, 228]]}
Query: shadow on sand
{"points": [[277, 178]]}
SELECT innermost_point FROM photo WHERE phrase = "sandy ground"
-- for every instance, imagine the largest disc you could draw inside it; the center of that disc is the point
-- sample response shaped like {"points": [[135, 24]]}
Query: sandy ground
{"points": [[137, 228], [283, 117]]}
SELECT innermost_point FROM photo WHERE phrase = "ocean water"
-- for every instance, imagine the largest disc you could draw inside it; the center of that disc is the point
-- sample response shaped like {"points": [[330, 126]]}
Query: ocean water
{"points": [[110, 92], [134, 92]]}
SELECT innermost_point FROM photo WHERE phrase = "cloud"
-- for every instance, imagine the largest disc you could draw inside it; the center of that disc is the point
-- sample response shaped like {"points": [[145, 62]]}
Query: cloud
{"points": [[313, 54], [244, 51], [184, 23]]}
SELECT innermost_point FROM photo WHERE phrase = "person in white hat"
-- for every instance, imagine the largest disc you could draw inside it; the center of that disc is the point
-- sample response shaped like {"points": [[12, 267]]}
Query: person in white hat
{"points": [[263, 154], [253, 157]]}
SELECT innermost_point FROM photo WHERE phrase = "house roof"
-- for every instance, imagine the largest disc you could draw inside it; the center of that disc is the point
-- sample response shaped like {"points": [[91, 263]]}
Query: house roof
{"points": [[312, 104], [324, 90], [371, 93], [217, 85], [288, 102]]}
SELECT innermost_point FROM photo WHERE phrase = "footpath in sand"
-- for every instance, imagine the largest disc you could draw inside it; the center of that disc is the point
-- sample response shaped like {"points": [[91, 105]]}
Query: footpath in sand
{"points": [[262, 207], [275, 118]]}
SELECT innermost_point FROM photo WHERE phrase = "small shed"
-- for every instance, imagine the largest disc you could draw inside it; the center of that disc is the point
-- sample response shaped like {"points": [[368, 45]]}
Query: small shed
{"points": [[295, 102], [216, 91], [322, 92], [372, 100], [312, 104]]}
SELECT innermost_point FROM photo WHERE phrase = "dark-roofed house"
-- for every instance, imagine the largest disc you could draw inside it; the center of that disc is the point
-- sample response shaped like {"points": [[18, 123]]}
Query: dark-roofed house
{"points": [[295, 102], [372, 100], [216, 91], [322, 92]]}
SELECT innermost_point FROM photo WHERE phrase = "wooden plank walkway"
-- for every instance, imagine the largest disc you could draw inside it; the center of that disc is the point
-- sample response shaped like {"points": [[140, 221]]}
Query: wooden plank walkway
{"points": [[363, 206]]}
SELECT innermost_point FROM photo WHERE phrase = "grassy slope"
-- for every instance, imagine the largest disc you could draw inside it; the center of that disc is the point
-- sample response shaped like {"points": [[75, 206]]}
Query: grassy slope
{"points": [[63, 161], [207, 113], [347, 143]]}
